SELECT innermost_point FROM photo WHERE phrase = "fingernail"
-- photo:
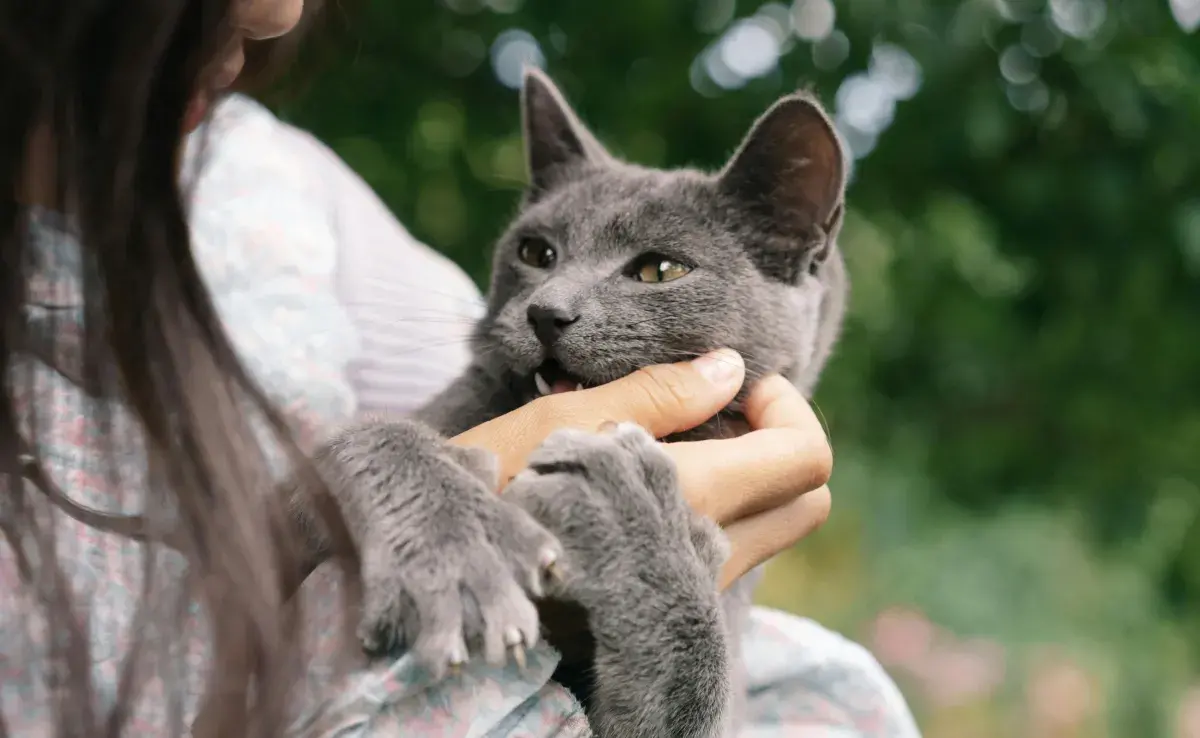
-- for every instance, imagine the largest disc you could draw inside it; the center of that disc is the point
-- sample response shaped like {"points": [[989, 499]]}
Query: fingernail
{"points": [[720, 367]]}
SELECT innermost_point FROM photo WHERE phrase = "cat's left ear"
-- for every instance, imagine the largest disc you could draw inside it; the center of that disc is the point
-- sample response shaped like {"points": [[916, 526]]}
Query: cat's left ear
{"points": [[557, 144], [789, 174]]}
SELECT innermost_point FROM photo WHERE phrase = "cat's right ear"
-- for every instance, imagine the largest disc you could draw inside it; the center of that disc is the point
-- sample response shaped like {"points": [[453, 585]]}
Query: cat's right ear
{"points": [[557, 144]]}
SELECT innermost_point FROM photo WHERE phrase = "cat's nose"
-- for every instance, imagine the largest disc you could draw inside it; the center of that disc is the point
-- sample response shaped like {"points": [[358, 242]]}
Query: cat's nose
{"points": [[549, 322]]}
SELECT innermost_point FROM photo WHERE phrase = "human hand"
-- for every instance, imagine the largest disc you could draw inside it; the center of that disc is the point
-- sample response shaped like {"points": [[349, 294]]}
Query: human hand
{"points": [[765, 488]]}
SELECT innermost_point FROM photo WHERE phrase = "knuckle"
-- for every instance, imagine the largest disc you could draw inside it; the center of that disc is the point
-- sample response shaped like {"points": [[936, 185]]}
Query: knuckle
{"points": [[666, 389], [821, 460], [821, 505], [807, 514], [812, 460]]}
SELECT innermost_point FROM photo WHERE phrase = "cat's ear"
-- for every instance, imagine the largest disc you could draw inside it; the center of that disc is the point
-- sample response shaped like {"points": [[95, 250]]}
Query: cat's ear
{"points": [[789, 173], [556, 142]]}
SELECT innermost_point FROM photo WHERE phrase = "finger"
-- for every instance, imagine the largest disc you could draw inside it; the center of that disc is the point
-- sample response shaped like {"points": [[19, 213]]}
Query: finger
{"points": [[755, 539], [667, 398], [734, 478], [776, 403], [663, 399], [785, 455], [512, 437]]}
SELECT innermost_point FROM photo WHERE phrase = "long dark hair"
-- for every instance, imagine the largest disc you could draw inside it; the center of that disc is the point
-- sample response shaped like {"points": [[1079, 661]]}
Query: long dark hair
{"points": [[104, 85]]}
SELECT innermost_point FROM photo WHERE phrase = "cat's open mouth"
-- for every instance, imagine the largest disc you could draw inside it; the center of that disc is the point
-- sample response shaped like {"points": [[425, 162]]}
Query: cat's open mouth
{"points": [[550, 379]]}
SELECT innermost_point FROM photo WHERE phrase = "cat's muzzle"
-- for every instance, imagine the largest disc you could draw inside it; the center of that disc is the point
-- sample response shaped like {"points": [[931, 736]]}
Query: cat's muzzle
{"points": [[550, 378]]}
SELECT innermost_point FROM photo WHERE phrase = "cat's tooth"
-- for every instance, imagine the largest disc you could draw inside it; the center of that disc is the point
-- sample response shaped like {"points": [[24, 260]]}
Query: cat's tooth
{"points": [[543, 387], [578, 386]]}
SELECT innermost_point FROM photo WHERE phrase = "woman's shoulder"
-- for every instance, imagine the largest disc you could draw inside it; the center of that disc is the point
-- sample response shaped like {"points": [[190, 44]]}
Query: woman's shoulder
{"points": [[265, 242]]}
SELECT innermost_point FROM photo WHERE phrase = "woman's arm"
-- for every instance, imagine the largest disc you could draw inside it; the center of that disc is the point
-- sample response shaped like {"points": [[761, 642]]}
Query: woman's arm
{"points": [[412, 308]]}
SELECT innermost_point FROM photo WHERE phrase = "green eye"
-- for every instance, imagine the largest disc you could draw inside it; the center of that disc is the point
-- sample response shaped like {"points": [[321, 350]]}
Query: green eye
{"points": [[537, 253], [655, 268]]}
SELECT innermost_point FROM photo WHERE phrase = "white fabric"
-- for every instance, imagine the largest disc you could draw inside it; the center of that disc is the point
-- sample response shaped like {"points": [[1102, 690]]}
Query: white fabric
{"points": [[410, 308]]}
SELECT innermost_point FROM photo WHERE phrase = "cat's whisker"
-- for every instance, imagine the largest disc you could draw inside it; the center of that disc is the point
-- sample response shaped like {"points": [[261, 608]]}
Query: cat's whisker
{"points": [[407, 350], [420, 289], [822, 420], [379, 311], [407, 302], [421, 320], [389, 311]]}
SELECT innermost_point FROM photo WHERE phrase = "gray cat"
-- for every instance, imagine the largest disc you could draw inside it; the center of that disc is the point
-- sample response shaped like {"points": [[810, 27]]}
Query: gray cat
{"points": [[608, 267]]}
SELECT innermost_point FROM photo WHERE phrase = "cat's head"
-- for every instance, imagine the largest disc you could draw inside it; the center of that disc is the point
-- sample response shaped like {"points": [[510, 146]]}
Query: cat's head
{"points": [[610, 266]]}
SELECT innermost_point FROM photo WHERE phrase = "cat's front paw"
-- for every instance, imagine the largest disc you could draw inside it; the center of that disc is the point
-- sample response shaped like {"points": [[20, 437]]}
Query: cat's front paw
{"points": [[643, 566], [613, 499], [449, 567]]}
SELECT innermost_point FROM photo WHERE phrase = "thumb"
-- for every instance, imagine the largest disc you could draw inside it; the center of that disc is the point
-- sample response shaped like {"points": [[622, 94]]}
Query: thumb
{"points": [[663, 399], [667, 398]]}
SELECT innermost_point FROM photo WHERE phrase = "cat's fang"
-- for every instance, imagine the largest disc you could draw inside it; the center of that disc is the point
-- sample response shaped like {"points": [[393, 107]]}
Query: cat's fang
{"points": [[578, 386], [543, 387]]}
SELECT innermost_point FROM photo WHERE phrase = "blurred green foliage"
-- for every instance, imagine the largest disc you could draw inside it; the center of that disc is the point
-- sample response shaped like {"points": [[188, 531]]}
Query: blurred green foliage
{"points": [[1019, 381]]}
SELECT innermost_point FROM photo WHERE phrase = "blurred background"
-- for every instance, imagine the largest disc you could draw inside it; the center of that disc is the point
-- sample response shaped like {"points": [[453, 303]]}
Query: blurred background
{"points": [[1015, 405]]}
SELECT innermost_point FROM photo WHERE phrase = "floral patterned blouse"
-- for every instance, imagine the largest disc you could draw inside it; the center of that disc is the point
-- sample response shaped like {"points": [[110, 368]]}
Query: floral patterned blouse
{"points": [[290, 241]]}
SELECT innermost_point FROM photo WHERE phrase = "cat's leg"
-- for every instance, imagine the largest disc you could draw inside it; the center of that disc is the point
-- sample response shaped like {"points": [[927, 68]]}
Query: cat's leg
{"points": [[644, 570], [448, 566], [737, 601], [472, 399]]}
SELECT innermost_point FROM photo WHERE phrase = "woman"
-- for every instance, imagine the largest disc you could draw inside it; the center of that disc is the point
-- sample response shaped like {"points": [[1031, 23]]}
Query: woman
{"points": [[146, 566]]}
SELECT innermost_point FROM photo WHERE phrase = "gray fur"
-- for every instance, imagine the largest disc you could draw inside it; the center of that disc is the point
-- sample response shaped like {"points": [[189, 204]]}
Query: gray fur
{"points": [[767, 277], [450, 564], [455, 572], [644, 568]]}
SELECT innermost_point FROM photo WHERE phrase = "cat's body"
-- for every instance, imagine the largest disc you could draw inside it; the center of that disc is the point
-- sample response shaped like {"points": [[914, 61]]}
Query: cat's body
{"points": [[608, 267]]}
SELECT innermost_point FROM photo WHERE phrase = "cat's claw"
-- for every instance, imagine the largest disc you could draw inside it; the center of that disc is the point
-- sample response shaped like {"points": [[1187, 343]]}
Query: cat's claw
{"points": [[458, 659], [516, 647], [551, 572]]}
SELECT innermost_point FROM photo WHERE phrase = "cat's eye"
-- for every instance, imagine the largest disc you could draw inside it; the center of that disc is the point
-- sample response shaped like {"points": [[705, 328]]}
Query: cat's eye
{"points": [[657, 268], [537, 253]]}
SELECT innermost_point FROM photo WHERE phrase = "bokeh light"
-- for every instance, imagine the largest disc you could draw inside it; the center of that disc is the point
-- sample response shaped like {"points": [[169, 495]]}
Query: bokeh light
{"points": [[512, 51]]}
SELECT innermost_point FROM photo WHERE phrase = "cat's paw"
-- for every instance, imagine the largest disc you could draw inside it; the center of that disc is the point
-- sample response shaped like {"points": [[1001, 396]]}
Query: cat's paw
{"points": [[613, 499], [449, 567], [643, 566], [710, 543]]}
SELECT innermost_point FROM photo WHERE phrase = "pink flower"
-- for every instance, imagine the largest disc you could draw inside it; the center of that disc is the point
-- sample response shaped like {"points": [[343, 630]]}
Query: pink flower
{"points": [[1187, 717], [1061, 696], [902, 637], [957, 673]]}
